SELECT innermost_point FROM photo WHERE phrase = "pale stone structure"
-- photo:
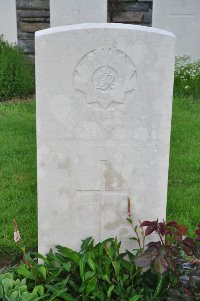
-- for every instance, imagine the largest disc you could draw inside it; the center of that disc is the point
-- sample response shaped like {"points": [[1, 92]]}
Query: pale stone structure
{"points": [[104, 97], [63, 12], [8, 20], [182, 17]]}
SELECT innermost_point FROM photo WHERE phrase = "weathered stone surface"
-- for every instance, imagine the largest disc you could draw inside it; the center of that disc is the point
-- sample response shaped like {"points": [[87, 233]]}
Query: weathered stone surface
{"points": [[128, 17], [26, 35], [147, 18], [134, 7], [28, 46], [117, 7], [182, 17], [33, 27], [8, 20], [32, 13], [77, 11], [34, 19], [32, 4], [104, 96], [31, 58]]}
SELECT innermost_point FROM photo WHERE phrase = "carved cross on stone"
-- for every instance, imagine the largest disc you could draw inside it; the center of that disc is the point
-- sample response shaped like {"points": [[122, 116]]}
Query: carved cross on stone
{"points": [[113, 203]]}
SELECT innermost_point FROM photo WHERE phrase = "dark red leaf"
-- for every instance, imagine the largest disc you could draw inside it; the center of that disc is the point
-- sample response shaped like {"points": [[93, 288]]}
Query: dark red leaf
{"points": [[147, 257], [182, 229], [172, 224], [188, 246], [178, 237], [197, 232], [189, 241], [162, 228], [150, 229], [146, 223], [156, 244]]}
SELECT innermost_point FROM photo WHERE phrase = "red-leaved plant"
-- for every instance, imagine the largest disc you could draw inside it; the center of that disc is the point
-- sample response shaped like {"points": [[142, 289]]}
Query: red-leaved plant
{"points": [[173, 253]]}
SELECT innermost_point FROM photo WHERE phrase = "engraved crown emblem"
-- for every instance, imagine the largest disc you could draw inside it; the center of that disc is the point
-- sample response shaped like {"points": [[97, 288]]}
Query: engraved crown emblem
{"points": [[105, 77]]}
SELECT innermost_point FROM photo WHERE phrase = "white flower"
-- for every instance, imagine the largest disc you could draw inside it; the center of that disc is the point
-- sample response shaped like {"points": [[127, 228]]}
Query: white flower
{"points": [[17, 237]]}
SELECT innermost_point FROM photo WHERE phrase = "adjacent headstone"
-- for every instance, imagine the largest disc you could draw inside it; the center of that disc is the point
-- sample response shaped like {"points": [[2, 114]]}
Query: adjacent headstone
{"points": [[64, 12], [8, 20], [182, 17], [104, 97]]}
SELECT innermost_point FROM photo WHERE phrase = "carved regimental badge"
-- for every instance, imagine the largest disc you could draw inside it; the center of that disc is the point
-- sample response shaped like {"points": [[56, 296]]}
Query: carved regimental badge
{"points": [[105, 76]]}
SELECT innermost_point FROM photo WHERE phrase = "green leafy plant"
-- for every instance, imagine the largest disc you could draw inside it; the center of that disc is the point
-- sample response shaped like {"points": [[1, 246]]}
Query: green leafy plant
{"points": [[16, 73], [167, 268], [97, 272], [16, 290]]}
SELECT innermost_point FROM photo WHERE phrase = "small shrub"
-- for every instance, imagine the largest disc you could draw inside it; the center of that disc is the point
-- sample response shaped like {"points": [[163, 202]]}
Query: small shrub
{"points": [[16, 73], [175, 256], [97, 272], [187, 77], [164, 270], [167, 269]]}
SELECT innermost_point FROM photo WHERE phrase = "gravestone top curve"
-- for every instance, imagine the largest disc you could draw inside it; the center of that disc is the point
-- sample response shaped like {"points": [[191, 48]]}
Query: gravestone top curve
{"points": [[91, 26]]}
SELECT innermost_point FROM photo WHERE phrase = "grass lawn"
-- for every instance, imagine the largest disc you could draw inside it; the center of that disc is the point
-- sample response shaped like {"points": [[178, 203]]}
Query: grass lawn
{"points": [[184, 172], [18, 171], [17, 175]]}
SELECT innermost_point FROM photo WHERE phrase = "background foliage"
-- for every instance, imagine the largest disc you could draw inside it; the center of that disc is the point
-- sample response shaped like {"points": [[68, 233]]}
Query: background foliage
{"points": [[187, 78], [16, 74]]}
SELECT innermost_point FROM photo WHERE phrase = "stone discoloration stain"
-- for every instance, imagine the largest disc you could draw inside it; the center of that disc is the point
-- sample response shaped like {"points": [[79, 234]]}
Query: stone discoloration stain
{"points": [[113, 179]]}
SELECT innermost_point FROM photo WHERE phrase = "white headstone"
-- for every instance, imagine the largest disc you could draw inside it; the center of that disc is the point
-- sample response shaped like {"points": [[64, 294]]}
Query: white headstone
{"points": [[182, 17], [8, 20], [64, 12], [104, 97]]}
